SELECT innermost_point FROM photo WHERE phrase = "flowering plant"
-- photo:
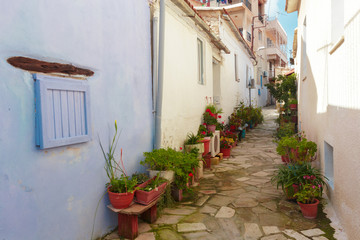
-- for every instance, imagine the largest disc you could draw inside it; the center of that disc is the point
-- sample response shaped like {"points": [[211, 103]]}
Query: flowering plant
{"points": [[309, 193], [204, 132], [209, 117], [229, 134], [226, 142]]}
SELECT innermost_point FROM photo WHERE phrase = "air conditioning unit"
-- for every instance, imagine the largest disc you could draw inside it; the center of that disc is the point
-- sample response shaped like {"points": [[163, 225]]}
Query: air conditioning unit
{"points": [[265, 74]]}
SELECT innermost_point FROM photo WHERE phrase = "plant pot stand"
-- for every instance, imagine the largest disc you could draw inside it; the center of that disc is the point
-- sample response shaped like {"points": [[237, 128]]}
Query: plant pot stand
{"points": [[128, 218]]}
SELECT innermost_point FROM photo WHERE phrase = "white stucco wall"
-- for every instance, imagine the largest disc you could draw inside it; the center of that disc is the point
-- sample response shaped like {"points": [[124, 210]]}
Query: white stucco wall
{"points": [[329, 103], [232, 92], [53, 193], [184, 99]]}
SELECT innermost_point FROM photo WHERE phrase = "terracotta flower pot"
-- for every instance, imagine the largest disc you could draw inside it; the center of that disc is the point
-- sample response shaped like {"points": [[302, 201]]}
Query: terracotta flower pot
{"points": [[293, 106], [309, 210], [211, 128], [226, 152], [285, 158], [144, 197], [206, 146], [120, 200], [207, 158], [177, 194]]}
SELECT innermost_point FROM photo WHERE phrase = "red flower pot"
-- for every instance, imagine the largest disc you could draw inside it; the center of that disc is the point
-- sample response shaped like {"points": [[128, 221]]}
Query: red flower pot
{"points": [[177, 194], [294, 119], [285, 159], [120, 200], [144, 197], [226, 152], [309, 210], [207, 158], [211, 128], [293, 106], [206, 146]]}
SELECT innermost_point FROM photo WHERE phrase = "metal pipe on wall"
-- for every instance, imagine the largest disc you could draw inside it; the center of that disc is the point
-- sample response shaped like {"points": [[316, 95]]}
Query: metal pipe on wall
{"points": [[159, 96]]}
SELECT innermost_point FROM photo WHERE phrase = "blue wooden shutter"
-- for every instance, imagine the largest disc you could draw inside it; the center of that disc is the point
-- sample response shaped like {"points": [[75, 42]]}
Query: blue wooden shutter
{"points": [[62, 111]]}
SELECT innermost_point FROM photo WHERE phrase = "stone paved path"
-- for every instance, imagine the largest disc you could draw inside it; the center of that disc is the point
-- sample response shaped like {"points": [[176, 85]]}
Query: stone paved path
{"points": [[237, 201]]}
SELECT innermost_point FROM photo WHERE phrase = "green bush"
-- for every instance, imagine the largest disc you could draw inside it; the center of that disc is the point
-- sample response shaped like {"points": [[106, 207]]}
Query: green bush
{"points": [[285, 130]]}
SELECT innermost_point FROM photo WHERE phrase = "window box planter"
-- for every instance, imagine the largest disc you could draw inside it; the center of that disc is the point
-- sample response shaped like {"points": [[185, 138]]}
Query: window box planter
{"points": [[147, 197]]}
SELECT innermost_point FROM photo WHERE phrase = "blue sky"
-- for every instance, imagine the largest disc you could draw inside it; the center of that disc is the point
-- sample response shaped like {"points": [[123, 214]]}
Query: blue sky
{"points": [[276, 8]]}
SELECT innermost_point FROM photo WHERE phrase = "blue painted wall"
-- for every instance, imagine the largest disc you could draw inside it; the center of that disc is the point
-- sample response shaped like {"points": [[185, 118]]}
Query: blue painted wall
{"points": [[52, 194]]}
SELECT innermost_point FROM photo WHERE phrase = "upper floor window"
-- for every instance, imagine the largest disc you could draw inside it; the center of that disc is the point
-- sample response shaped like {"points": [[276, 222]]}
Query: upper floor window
{"points": [[200, 62]]}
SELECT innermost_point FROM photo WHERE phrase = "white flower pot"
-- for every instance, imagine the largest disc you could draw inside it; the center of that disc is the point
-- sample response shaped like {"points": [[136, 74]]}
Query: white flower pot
{"points": [[168, 175]]}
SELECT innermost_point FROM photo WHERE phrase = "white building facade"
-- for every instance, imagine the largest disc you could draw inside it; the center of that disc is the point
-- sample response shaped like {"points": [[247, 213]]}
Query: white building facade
{"points": [[327, 67]]}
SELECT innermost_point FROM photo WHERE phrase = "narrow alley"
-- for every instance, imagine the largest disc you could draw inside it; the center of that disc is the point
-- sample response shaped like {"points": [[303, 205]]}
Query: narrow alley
{"points": [[236, 200]]}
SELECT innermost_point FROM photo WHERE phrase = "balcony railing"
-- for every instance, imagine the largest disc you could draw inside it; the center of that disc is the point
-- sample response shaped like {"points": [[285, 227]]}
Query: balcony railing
{"points": [[214, 3]]}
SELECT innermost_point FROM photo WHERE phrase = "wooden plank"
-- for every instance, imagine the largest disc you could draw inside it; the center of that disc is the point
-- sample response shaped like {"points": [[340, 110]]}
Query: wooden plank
{"points": [[57, 114], [71, 113], [48, 125], [77, 113], [82, 113], [64, 114], [134, 209]]}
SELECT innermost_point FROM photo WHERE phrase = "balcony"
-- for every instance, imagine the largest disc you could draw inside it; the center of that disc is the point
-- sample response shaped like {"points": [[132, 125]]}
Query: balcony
{"points": [[214, 3]]}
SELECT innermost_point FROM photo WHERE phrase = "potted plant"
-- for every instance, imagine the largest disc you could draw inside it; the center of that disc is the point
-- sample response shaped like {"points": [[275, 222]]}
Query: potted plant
{"points": [[183, 164], [294, 175], [293, 104], [120, 187], [206, 137], [150, 190], [308, 200], [193, 141], [160, 161], [210, 120], [285, 177], [225, 146], [286, 149], [285, 130], [214, 110]]}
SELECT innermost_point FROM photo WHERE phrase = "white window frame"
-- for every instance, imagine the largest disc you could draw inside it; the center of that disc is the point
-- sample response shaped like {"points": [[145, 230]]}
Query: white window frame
{"points": [[200, 61]]}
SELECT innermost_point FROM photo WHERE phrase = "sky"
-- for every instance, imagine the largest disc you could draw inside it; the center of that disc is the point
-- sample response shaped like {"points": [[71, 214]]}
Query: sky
{"points": [[276, 8]]}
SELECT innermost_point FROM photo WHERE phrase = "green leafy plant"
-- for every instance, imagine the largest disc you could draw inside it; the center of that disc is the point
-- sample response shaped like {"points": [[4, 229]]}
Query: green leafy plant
{"points": [[154, 183], [293, 101], [309, 193], [159, 159], [119, 182], [140, 177], [213, 109], [209, 118], [191, 138], [204, 132], [284, 88], [182, 163], [285, 130], [298, 174]]}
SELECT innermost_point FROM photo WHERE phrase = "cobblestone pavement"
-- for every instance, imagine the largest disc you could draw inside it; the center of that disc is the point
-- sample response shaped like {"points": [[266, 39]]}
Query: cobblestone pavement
{"points": [[235, 200]]}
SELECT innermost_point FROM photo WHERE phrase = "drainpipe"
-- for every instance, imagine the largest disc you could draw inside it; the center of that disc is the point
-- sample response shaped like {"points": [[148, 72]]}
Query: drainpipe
{"points": [[159, 96]]}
